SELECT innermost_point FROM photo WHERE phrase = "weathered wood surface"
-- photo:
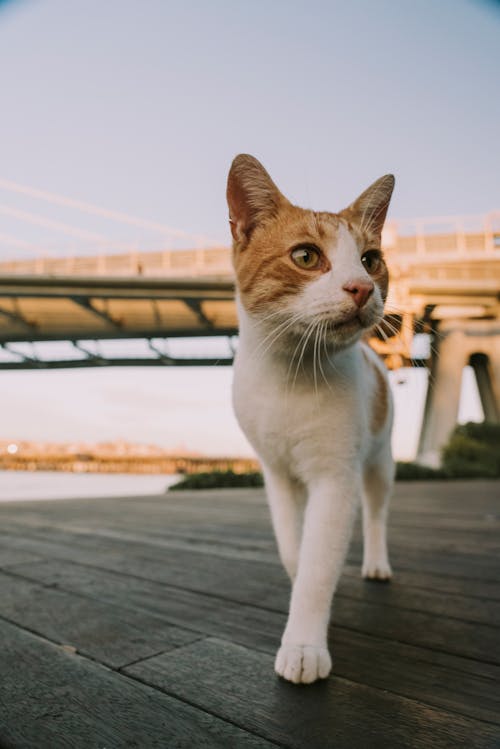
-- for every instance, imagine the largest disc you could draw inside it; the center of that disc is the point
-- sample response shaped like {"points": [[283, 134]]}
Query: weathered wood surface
{"points": [[175, 605]]}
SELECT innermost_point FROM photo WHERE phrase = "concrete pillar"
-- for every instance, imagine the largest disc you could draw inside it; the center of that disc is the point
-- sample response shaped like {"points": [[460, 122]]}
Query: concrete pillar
{"points": [[443, 395], [494, 365], [484, 372]]}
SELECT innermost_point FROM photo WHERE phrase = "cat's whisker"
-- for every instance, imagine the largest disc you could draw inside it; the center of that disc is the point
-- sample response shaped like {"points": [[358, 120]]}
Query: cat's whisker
{"points": [[277, 333], [315, 355], [395, 311], [382, 333], [293, 358], [296, 350], [324, 325], [287, 322], [271, 315], [288, 319], [397, 334], [307, 336], [329, 359]]}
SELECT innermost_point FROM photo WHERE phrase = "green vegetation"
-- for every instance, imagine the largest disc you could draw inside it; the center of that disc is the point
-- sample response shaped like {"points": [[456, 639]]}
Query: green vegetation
{"points": [[417, 472], [473, 451], [218, 480]]}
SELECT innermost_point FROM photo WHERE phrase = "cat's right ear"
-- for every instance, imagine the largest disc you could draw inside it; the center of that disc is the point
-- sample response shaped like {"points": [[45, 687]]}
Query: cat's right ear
{"points": [[252, 196]]}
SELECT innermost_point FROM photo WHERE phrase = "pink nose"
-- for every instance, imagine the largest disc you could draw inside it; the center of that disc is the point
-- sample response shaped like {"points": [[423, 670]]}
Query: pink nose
{"points": [[360, 289]]}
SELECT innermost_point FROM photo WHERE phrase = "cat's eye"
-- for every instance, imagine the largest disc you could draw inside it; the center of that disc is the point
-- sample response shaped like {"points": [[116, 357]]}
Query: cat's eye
{"points": [[372, 260], [306, 256]]}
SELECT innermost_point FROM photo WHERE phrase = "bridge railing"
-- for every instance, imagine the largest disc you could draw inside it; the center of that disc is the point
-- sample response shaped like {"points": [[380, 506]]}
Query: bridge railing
{"points": [[406, 242], [426, 239], [200, 262]]}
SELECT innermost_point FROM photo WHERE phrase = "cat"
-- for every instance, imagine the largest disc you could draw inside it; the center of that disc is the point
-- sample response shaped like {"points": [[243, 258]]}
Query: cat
{"points": [[312, 398]]}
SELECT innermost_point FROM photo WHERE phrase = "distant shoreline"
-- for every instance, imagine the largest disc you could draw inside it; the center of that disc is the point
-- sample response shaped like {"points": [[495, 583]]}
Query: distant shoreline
{"points": [[140, 465]]}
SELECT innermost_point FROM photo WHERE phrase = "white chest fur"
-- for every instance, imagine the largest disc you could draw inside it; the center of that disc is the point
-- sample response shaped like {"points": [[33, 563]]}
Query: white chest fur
{"points": [[308, 416]]}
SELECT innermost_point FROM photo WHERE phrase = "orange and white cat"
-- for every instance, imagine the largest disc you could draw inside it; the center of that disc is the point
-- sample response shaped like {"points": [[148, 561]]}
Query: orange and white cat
{"points": [[312, 398]]}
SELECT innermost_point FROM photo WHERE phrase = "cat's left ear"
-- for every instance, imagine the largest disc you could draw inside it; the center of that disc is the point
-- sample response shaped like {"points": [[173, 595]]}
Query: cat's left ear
{"points": [[252, 196], [370, 209]]}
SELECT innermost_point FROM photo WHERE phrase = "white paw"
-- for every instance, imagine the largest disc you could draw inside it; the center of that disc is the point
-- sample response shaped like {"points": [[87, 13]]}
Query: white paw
{"points": [[377, 570], [303, 664]]}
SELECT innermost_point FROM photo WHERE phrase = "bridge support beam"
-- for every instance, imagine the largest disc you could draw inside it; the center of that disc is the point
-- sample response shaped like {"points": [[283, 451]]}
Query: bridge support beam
{"points": [[485, 378], [443, 396], [459, 343]]}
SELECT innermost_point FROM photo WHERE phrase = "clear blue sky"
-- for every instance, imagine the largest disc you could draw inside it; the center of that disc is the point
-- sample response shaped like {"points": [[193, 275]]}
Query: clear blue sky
{"points": [[140, 107]]}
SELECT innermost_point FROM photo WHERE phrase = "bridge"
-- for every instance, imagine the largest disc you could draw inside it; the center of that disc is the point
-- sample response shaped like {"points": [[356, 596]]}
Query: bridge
{"points": [[445, 282]]}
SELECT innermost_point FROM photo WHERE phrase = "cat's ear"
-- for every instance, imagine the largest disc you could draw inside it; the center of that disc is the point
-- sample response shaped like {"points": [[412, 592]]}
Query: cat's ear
{"points": [[252, 196], [370, 209]]}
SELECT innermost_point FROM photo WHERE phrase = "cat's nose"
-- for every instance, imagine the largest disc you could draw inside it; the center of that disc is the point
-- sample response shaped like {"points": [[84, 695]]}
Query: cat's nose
{"points": [[360, 289]]}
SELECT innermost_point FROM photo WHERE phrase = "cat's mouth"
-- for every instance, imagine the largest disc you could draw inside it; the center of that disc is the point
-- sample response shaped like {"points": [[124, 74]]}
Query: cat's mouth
{"points": [[348, 328], [333, 325], [351, 321], [342, 329]]}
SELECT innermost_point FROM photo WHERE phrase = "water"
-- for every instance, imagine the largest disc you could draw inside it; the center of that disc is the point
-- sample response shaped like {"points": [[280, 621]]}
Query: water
{"points": [[33, 485]]}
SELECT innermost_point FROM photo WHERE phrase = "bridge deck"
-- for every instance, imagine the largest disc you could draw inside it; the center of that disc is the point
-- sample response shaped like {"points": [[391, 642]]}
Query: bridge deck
{"points": [[152, 622]]}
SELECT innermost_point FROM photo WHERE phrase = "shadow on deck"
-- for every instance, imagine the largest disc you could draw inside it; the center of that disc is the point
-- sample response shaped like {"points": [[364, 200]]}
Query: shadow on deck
{"points": [[152, 622]]}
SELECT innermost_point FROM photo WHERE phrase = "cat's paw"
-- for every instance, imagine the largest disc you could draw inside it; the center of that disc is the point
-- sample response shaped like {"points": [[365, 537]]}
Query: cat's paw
{"points": [[377, 571], [303, 664]]}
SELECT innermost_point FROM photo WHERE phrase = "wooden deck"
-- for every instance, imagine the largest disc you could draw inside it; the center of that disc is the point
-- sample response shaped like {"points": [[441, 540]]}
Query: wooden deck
{"points": [[153, 622]]}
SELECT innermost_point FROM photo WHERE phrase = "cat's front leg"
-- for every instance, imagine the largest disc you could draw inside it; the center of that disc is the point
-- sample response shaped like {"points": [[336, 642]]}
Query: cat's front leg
{"points": [[378, 482], [303, 656], [286, 499]]}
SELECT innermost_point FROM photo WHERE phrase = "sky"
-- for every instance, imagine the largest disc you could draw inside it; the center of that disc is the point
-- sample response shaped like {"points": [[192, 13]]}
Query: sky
{"points": [[139, 107]]}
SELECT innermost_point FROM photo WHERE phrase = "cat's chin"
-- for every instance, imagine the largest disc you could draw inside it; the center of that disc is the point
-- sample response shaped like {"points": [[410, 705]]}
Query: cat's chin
{"points": [[344, 334], [346, 331], [336, 333], [341, 334]]}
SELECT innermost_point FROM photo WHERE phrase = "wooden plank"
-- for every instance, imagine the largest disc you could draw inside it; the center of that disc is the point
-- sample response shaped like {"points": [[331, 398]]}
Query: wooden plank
{"points": [[191, 569], [441, 503], [179, 564], [187, 521], [460, 685], [437, 583], [53, 699], [110, 634], [239, 685], [223, 543], [202, 613], [237, 522], [457, 682], [425, 579], [257, 582], [11, 556], [156, 518], [402, 558], [398, 594], [472, 567]]}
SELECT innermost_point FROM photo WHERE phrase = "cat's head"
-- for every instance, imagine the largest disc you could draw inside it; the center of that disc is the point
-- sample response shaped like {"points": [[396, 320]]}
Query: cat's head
{"points": [[305, 267]]}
